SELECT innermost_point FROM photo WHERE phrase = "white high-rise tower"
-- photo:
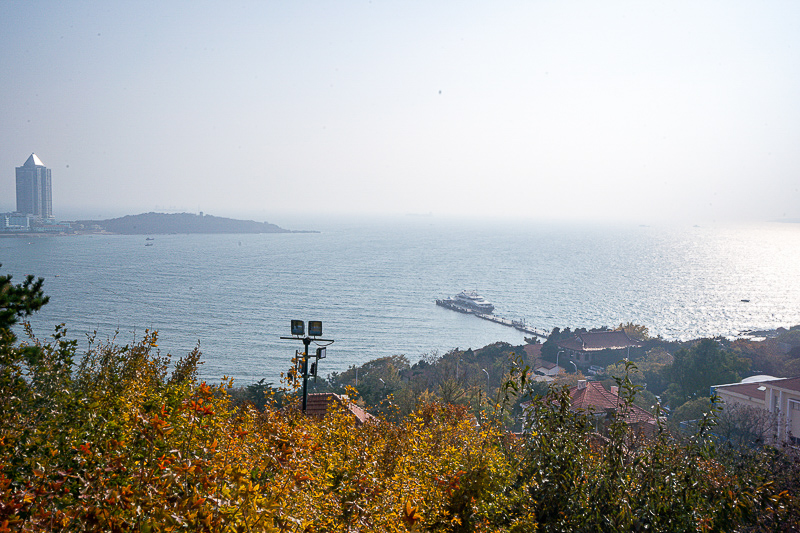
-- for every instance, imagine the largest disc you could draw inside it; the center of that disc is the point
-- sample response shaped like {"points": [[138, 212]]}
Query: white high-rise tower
{"points": [[34, 189]]}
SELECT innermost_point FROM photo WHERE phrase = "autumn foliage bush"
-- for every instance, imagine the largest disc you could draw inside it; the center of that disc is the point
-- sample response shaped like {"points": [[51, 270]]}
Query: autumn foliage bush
{"points": [[120, 439]]}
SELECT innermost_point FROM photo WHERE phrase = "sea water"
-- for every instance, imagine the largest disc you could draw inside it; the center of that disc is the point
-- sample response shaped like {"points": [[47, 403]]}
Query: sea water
{"points": [[373, 284]]}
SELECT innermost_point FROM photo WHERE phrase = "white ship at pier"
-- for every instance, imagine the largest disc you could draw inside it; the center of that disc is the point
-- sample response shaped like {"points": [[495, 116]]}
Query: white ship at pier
{"points": [[468, 302]]}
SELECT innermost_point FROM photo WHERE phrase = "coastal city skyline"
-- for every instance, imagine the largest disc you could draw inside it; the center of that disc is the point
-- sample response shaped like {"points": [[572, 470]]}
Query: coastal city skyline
{"points": [[616, 111], [34, 201], [554, 247]]}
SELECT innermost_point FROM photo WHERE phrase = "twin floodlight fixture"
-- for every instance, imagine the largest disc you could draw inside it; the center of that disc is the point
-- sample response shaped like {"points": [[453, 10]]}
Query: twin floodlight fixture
{"points": [[314, 330], [299, 334], [298, 329]]}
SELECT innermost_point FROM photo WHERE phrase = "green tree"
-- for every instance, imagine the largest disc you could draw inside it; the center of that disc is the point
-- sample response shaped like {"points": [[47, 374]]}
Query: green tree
{"points": [[696, 369], [118, 443], [377, 379], [766, 357], [693, 410], [622, 369], [18, 301], [550, 348], [18, 368], [635, 331]]}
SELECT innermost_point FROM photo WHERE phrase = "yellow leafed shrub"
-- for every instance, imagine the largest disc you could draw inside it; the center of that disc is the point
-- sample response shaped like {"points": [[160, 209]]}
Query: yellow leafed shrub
{"points": [[118, 441]]}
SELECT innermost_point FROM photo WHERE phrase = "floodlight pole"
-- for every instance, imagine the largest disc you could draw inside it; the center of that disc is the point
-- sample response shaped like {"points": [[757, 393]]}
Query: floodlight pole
{"points": [[306, 342]]}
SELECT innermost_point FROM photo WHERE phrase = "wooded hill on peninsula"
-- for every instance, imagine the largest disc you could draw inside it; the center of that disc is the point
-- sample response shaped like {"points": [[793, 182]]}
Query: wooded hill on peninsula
{"points": [[162, 223]]}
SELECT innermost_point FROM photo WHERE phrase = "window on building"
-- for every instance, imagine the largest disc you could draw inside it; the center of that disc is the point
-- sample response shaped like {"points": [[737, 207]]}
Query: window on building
{"points": [[793, 421]]}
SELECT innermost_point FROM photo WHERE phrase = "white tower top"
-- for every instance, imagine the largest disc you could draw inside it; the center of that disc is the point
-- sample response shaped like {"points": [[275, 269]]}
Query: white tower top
{"points": [[33, 161]]}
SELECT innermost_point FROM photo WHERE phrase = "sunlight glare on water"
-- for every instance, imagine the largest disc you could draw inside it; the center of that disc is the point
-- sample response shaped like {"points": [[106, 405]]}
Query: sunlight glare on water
{"points": [[373, 285]]}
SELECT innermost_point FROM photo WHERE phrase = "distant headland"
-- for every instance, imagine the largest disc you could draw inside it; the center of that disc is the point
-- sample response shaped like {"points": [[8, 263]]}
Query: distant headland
{"points": [[165, 223]]}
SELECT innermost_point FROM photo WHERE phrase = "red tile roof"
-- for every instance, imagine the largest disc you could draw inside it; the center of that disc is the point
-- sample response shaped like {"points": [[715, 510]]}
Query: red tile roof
{"points": [[318, 404], [593, 397], [598, 340], [541, 363], [596, 399], [751, 389], [533, 350], [791, 384], [746, 389]]}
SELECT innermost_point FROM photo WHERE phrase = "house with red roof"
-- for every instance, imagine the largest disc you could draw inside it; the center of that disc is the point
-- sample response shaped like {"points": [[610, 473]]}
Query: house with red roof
{"points": [[778, 397], [546, 368], [319, 404], [583, 346], [592, 398], [603, 406], [543, 370]]}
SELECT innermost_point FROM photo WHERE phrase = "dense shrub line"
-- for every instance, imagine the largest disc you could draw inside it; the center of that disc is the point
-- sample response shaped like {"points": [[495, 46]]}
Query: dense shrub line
{"points": [[116, 441]]}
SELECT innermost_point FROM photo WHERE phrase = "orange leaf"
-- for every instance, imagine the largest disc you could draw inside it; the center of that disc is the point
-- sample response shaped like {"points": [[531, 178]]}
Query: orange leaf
{"points": [[411, 514]]}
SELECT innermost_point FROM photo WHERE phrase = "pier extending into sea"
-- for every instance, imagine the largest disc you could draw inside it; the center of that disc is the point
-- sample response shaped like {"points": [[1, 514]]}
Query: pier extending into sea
{"points": [[516, 324]]}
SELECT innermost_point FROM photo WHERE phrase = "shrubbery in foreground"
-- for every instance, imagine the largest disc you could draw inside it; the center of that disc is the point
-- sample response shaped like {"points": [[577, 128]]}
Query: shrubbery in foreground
{"points": [[121, 443]]}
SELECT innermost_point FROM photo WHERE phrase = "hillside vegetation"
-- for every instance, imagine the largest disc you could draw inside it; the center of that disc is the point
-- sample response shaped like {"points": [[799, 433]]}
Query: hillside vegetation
{"points": [[163, 223], [120, 438]]}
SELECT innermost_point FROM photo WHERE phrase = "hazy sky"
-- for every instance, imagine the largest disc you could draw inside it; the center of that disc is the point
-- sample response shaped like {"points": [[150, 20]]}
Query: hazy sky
{"points": [[639, 110]]}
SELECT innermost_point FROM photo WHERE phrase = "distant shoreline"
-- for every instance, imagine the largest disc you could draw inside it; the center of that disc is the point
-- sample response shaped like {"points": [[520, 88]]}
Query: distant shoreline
{"points": [[176, 223]]}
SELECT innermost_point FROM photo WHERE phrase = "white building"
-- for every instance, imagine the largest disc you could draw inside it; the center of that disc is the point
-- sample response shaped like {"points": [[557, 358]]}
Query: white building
{"points": [[34, 189], [779, 397], [15, 222]]}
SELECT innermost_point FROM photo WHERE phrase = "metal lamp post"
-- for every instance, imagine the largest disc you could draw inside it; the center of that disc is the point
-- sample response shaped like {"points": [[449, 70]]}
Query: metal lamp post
{"points": [[298, 334]]}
